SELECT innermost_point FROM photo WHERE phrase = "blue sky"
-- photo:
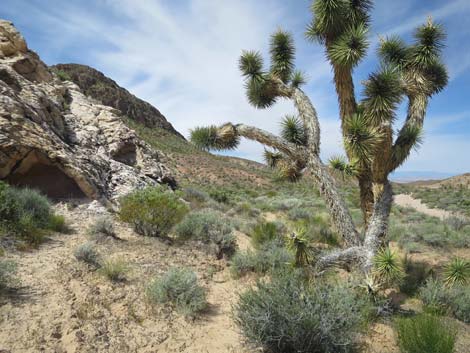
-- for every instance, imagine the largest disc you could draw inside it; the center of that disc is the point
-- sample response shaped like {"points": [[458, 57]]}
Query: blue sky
{"points": [[182, 55]]}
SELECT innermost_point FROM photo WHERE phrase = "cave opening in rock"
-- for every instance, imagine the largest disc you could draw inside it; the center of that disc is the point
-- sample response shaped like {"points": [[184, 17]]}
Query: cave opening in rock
{"points": [[37, 172], [127, 154]]}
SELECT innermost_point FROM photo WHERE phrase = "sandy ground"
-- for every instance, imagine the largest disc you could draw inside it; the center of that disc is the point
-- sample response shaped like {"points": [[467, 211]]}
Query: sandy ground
{"points": [[405, 200], [63, 306]]}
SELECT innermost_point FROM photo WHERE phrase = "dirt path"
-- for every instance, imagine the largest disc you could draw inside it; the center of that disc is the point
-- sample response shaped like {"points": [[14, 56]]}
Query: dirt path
{"points": [[63, 306], [405, 200]]}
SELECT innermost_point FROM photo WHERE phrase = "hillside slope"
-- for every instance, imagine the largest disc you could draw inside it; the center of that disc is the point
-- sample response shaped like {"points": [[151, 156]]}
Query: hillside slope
{"points": [[96, 85]]}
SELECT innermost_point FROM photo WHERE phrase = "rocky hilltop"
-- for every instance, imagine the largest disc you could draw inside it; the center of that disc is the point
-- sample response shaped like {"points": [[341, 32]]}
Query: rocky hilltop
{"points": [[96, 85], [54, 138]]}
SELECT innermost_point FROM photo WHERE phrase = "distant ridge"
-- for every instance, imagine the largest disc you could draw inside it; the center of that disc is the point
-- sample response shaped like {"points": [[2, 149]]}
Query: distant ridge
{"points": [[412, 176], [105, 90]]}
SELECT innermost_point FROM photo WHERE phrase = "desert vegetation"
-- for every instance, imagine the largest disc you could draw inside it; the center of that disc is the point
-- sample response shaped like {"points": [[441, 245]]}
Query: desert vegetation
{"points": [[295, 256]]}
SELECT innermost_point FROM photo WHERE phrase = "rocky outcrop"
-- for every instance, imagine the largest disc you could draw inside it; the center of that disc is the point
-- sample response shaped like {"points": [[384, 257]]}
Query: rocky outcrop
{"points": [[54, 138], [96, 85]]}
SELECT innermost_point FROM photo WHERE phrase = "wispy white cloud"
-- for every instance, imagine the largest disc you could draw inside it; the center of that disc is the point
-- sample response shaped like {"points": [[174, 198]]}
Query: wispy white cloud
{"points": [[182, 57]]}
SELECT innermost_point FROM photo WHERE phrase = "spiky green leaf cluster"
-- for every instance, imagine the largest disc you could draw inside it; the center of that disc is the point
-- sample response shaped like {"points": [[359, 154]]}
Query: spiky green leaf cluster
{"points": [[298, 244], [214, 138], [251, 64], [292, 130], [421, 62], [394, 51], [361, 138], [410, 136], [261, 91], [388, 267], [272, 158], [382, 94], [350, 47], [341, 165], [298, 79], [282, 52], [457, 272], [429, 43], [342, 26]]}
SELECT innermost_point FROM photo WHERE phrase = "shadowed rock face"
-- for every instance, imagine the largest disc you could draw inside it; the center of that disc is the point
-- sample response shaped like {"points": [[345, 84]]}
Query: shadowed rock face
{"points": [[56, 139], [96, 85]]}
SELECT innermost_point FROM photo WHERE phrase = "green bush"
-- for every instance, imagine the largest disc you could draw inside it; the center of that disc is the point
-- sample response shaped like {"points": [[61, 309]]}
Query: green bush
{"points": [[425, 333], [210, 227], [195, 196], [62, 75], [265, 232], [442, 299], [115, 269], [27, 214], [180, 287], [296, 214], [416, 274], [270, 257], [152, 211], [102, 226], [88, 254], [7, 274], [222, 196], [289, 314], [57, 224]]}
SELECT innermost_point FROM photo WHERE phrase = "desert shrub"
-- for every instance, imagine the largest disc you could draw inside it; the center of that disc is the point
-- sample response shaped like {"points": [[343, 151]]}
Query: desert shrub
{"points": [[115, 270], [264, 232], [286, 204], [416, 274], [246, 209], [296, 214], [211, 228], [57, 224], [443, 299], [7, 274], [62, 75], [270, 257], [180, 287], [152, 211], [289, 314], [102, 226], [459, 303], [195, 196], [456, 223], [425, 333], [457, 272], [87, 253], [220, 195], [27, 214]]}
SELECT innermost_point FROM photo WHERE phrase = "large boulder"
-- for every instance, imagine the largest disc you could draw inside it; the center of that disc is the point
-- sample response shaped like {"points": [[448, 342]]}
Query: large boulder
{"points": [[56, 139]]}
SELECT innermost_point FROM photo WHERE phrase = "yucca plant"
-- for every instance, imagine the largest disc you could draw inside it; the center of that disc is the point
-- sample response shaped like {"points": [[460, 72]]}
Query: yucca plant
{"points": [[412, 72], [457, 272], [298, 244], [388, 267]]}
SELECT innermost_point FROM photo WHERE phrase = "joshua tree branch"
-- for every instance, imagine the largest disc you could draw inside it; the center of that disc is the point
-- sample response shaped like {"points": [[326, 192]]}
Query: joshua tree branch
{"points": [[309, 117], [271, 140], [343, 258], [415, 118], [340, 214]]}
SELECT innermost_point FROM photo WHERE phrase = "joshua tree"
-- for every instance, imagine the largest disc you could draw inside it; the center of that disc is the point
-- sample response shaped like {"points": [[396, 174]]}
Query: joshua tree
{"points": [[414, 72]]}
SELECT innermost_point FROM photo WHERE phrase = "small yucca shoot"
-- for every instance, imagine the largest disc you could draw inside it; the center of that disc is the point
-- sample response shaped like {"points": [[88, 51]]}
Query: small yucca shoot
{"points": [[388, 267], [299, 245], [457, 272]]}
